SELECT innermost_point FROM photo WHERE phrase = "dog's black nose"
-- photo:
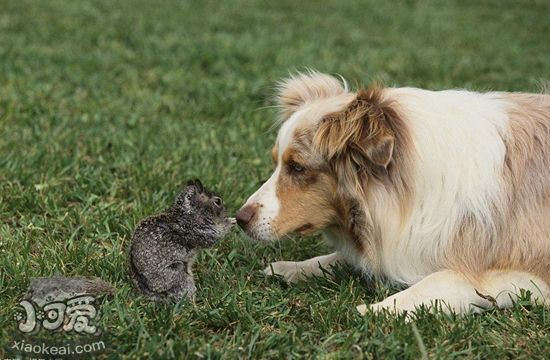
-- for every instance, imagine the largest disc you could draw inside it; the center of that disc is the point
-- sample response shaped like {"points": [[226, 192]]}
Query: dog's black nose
{"points": [[245, 214]]}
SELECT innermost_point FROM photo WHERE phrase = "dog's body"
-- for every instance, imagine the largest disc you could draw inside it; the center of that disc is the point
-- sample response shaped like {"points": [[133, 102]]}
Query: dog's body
{"points": [[446, 191]]}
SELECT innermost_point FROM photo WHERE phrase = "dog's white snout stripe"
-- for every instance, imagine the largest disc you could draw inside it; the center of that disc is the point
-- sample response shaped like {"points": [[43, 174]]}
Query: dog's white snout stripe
{"points": [[267, 206]]}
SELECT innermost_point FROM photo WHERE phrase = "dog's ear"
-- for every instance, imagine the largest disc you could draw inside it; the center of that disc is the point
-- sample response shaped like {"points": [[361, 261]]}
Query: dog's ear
{"points": [[360, 134], [380, 151], [296, 90]]}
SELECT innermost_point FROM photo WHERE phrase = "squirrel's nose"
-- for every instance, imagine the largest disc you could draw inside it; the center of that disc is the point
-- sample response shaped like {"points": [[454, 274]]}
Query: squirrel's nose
{"points": [[245, 214]]}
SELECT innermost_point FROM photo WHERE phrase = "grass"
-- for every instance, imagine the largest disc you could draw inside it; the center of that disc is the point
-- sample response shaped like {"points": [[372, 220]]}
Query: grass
{"points": [[106, 108]]}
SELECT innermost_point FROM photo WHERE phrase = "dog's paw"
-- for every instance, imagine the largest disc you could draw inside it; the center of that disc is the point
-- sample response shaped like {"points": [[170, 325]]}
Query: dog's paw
{"points": [[290, 271], [388, 305], [362, 309]]}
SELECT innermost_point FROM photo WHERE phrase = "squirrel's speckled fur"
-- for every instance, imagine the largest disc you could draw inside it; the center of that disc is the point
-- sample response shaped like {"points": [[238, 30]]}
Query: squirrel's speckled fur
{"points": [[164, 246]]}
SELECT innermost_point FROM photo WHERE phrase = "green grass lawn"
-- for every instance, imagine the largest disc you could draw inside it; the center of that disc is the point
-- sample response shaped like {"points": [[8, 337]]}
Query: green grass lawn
{"points": [[107, 107]]}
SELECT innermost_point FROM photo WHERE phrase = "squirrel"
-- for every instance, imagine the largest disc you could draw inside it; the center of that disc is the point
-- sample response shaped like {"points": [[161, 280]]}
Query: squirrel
{"points": [[164, 246]]}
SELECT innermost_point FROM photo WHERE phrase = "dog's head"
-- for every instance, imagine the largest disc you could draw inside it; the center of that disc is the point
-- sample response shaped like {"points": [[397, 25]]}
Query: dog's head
{"points": [[330, 142]]}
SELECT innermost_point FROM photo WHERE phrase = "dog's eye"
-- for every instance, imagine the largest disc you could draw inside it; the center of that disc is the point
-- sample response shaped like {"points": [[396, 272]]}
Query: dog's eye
{"points": [[295, 167]]}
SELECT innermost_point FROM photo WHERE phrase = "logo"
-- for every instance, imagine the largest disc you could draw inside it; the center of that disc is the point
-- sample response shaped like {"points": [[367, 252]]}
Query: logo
{"points": [[60, 316], [77, 314]]}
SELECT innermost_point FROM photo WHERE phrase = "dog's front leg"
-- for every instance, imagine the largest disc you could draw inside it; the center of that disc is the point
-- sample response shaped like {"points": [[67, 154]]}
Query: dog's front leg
{"points": [[453, 292], [293, 271]]}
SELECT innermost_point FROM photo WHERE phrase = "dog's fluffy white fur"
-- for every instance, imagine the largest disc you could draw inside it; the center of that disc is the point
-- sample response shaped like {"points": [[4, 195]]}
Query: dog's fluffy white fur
{"points": [[445, 191]]}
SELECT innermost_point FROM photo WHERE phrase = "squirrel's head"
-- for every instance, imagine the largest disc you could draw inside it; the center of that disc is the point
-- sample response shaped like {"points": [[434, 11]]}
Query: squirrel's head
{"points": [[204, 208]]}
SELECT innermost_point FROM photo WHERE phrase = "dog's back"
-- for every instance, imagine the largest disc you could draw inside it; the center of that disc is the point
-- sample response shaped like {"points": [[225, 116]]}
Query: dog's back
{"points": [[481, 184]]}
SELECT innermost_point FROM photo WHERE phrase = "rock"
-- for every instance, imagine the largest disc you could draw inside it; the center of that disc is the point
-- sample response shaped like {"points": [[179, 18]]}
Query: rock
{"points": [[60, 288]]}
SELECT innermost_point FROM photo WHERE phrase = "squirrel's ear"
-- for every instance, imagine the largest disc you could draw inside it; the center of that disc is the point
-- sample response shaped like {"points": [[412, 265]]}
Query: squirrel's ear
{"points": [[194, 185], [298, 89]]}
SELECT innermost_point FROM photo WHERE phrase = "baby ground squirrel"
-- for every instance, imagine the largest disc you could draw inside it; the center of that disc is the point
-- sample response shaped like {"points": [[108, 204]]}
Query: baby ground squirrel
{"points": [[164, 246]]}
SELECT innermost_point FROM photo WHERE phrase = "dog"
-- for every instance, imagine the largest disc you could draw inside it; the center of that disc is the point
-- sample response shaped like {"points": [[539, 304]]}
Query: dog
{"points": [[447, 192]]}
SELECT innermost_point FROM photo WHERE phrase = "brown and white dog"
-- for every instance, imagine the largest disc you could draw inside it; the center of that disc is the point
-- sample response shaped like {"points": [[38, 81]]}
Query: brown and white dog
{"points": [[446, 191]]}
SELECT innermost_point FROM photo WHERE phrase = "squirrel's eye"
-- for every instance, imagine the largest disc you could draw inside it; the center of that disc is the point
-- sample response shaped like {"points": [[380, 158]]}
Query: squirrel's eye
{"points": [[218, 201], [295, 167], [175, 266]]}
